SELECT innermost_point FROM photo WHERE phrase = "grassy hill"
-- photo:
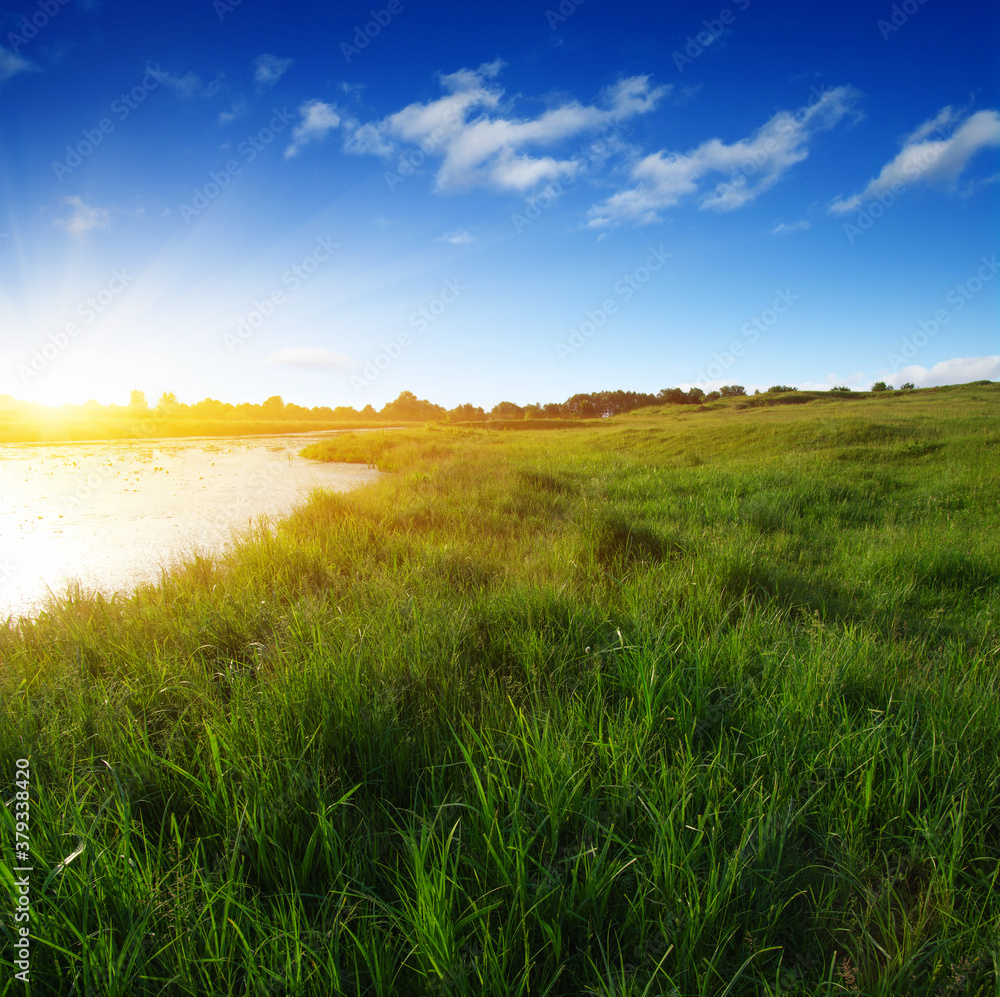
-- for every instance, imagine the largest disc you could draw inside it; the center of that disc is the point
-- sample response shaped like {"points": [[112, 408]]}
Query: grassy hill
{"points": [[701, 700]]}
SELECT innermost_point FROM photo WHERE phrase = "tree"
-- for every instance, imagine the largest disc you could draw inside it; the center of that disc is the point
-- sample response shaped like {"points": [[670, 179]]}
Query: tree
{"points": [[506, 410], [713, 396], [167, 399], [670, 396], [909, 386], [467, 412], [137, 400], [842, 389], [881, 386], [732, 391], [210, 408], [408, 408], [780, 388], [274, 405]]}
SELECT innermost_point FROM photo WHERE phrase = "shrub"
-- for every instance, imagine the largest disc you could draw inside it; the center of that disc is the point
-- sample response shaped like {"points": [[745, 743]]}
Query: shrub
{"points": [[881, 386], [780, 388]]}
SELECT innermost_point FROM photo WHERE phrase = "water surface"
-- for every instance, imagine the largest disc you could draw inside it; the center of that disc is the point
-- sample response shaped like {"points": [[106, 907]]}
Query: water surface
{"points": [[112, 514]]}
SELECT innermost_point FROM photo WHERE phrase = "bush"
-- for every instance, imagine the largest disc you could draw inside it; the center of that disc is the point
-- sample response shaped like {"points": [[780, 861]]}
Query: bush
{"points": [[780, 388], [909, 386], [713, 396], [881, 386], [842, 388]]}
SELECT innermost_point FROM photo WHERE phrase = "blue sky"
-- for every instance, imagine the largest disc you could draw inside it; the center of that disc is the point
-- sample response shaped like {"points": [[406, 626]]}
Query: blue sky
{"points": [[473, 202]]}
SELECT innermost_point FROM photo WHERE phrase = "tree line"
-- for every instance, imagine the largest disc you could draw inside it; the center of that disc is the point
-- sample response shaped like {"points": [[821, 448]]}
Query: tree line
{"points": [[409, 408], [23, 420]]}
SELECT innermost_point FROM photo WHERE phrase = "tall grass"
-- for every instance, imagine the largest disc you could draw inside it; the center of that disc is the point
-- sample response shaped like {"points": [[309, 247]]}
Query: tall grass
{"points": [[685, 703]]}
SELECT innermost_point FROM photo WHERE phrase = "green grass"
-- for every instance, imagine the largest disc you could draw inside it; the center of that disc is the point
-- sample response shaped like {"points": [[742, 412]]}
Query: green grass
{"points": [[699, 701]]}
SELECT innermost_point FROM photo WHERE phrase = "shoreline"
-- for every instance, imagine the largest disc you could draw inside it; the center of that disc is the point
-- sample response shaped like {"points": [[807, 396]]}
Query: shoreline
{"points": [[111, 516]]}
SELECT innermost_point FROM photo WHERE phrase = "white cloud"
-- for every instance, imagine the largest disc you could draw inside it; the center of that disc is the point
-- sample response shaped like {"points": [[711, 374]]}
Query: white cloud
{"points": [[187, 86], [365, 139], [974, 186], [83, 218], [783, 229], [958, 370], [311, 358], [11, 64], [477, 144], [268, 69], [459, 238], [931, 160], [317, 119], [239, 109], [751, 165]]}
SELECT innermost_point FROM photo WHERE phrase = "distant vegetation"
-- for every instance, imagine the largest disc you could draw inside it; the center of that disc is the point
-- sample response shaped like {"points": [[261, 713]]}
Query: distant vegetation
{"points": [[663, 704], [29, 421]]}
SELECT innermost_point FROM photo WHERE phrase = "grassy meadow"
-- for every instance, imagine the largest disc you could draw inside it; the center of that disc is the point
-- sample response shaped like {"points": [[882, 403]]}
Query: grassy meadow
{"points": [[694, 700]]}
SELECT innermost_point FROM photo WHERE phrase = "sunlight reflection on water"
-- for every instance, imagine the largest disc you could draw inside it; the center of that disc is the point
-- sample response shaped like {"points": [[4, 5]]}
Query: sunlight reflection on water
{"points": [[110, 514]]}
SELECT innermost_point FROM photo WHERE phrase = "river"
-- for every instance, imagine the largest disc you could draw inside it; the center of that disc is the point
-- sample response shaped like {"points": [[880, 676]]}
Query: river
{"points": [[111, 515]]}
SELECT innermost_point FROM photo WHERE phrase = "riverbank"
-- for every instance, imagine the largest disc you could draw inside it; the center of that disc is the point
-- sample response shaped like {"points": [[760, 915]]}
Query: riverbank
{"points": [[110, 515], [703, 700], [150, 428]]}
